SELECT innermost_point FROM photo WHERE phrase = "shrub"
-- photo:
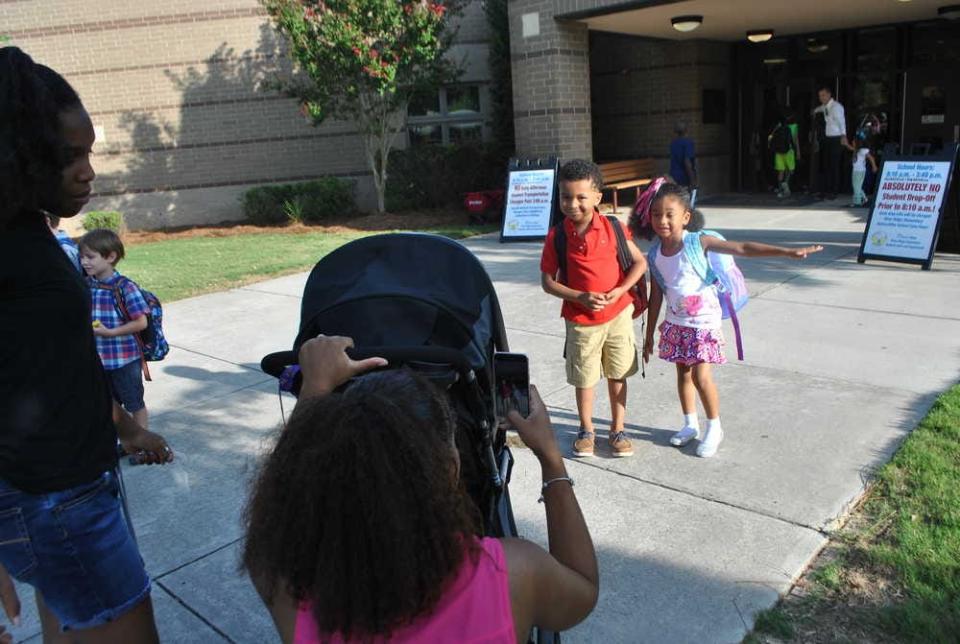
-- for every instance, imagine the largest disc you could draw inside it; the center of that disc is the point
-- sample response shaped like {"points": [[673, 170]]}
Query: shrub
{"points": [[310, 201], [103, 219], [294, 209], [430, 176]]}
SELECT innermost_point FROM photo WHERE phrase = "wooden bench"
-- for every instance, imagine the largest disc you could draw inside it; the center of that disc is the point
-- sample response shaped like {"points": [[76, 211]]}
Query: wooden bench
{"points": [[620, 175]]}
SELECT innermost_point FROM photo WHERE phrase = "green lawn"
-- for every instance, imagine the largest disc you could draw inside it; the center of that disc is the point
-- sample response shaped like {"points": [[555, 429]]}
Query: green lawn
{"points": [[179, 268], [895, 574]]}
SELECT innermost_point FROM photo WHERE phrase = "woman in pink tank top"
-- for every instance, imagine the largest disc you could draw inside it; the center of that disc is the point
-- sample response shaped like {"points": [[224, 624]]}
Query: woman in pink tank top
{"points": [[359, 529]]}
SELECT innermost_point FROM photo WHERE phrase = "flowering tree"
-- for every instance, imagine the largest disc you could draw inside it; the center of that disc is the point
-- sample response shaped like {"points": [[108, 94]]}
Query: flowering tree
{"points": [[362, 60]]}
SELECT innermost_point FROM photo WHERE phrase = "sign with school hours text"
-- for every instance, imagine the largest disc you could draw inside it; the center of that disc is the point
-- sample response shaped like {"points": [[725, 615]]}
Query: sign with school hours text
{"points": [[529, 203], [905, 215]]}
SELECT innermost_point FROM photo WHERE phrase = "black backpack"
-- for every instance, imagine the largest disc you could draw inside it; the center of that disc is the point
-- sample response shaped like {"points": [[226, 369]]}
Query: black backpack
{"points": [[782, 139], [639, 291]]}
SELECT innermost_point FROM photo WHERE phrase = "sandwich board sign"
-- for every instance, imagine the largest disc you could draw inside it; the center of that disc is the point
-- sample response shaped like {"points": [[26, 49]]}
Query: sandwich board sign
{"points": [[905, 218], [531, 203]]}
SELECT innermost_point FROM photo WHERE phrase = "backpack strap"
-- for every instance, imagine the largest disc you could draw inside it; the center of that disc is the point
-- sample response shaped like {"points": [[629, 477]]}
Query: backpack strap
{"points": [[560, 247], [119, 300], [625, 257], [651, 262], [693, 249], [623, 251], [121, 303]]}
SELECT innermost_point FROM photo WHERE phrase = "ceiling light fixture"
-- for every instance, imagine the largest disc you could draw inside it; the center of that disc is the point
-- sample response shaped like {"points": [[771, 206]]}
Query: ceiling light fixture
{"points": [[760, 35], [774, 61], [950, 12], [686, 23], [816, 46]]}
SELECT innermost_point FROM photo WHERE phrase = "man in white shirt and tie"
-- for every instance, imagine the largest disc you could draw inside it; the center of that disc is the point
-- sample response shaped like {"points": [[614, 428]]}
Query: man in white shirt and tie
{"points": [[832, 145]]}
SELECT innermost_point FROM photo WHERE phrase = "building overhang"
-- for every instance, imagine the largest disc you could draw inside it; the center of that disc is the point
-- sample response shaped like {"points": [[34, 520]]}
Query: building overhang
{"points": [[729, 20]]}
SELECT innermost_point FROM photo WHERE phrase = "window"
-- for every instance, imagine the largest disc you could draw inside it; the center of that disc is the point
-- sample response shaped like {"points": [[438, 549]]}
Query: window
{"points": [[935, 43], [453, 115], [463, 101], [424, 105], [876, 50], [421, 134]]}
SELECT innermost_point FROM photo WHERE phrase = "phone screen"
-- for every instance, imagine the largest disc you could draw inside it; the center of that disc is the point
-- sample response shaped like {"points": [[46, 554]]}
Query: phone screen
{"points": [[512, 381]]}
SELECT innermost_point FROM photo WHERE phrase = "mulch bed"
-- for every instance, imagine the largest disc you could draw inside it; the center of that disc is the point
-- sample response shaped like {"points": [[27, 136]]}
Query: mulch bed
{"points": [[414, 220]]}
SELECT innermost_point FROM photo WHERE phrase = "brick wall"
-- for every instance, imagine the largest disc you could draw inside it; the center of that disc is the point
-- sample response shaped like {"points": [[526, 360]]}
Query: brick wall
{"points": [[551, 84], [175, 93], [607, 97], [642, 87]]}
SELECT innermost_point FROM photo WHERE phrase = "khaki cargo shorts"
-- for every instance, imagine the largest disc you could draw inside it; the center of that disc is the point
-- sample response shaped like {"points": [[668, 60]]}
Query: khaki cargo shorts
{"points": [[607, 350]]}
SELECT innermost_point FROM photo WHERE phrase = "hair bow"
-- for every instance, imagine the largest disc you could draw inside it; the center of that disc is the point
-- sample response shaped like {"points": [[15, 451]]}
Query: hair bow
{"points": [[642, 209]]}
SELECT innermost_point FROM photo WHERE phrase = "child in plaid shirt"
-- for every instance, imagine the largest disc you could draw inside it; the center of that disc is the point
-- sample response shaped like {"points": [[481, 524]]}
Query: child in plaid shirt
{"points": [[116, 323]]}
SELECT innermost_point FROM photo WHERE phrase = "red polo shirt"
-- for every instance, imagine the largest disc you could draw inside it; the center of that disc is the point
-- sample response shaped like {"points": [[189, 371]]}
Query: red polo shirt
{"points": [[592, 265]]}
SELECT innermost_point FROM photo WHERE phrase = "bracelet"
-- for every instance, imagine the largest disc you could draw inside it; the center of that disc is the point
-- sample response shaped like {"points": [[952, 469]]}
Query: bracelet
{"points": [[547, 484]]}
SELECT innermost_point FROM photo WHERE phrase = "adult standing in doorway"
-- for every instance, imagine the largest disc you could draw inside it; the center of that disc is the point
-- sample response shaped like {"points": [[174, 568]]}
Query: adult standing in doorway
{"points": [[683, 167], [831, 147]]}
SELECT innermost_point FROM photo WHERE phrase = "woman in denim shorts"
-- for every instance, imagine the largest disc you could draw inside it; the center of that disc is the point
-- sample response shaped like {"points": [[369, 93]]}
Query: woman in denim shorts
{"points": [[61, 526]]}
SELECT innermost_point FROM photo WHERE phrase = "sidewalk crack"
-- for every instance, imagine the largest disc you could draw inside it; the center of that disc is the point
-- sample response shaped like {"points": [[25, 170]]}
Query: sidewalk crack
{"points": [[195, 613]]}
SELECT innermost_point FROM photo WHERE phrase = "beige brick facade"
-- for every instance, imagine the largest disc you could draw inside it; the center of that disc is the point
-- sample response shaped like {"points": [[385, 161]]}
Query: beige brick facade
{"points": [[185, 125], [175, 93], [609, 97], [551, 83]]}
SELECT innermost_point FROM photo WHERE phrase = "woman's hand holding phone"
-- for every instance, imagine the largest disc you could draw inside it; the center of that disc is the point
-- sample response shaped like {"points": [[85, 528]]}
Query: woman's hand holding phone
{"points": [[536, 431]]}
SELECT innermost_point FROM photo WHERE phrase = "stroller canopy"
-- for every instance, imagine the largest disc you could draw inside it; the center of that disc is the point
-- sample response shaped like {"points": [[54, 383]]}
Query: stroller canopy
{"points": [[404, 289]]}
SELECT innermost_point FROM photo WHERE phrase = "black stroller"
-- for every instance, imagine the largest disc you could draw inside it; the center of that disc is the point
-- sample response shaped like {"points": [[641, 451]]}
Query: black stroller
{"points": [[424, 302]]}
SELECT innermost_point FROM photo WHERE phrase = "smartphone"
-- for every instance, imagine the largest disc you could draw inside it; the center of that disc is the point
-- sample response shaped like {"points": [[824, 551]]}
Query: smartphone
{"points": [[511, 376]]}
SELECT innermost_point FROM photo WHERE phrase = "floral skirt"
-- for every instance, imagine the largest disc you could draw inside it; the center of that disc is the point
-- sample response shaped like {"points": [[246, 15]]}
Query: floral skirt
{"points": [[688, 346]]}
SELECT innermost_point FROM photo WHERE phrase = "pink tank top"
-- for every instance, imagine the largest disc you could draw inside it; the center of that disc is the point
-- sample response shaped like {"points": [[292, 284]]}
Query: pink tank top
{"points": [[476, 609]]}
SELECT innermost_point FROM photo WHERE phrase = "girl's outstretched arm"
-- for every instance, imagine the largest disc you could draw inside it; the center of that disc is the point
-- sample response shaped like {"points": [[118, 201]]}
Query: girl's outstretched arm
{"points": [[755, 249]]}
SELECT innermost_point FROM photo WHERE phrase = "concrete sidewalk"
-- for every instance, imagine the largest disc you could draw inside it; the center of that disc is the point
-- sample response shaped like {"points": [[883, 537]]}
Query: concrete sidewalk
{"points": [[842, 360]]}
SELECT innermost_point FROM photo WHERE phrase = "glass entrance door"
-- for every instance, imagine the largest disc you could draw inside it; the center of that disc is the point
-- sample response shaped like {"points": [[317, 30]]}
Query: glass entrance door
{"points": [[931, 116]]}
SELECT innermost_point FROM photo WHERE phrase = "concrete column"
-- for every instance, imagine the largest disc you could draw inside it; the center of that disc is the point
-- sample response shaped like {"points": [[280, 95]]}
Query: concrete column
{"points": [[551, 82]]}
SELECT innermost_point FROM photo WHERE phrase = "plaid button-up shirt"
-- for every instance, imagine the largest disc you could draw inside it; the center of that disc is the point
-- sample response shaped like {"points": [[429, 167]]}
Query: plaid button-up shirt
{"points": [[121, 350]]}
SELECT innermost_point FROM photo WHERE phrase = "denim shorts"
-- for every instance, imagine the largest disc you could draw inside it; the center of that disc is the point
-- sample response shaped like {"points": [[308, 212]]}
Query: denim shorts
{"points": [[126, 385], [75, 548]]}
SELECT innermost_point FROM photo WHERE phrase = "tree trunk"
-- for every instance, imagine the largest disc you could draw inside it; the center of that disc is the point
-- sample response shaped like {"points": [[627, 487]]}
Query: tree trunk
{"points": [[378, 138]]}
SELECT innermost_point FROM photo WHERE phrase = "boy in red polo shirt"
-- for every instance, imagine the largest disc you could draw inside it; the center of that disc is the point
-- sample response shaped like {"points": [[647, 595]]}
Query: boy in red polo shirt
{"points": [[597, 304]]}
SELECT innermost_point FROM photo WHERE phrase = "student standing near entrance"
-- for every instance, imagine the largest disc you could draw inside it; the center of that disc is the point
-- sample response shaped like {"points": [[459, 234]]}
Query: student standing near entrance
{"points": [[861, 155], [683, 158], [786, 152], [832, 144]]}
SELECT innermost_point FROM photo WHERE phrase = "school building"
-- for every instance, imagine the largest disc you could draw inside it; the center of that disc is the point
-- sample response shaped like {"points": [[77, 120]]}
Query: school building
{"points": [[185, 126], [184, 123]]}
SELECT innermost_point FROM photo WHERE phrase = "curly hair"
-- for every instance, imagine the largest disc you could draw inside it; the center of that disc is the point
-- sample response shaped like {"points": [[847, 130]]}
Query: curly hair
{"points": [[357, 509], [32, 151], [579, 169]]}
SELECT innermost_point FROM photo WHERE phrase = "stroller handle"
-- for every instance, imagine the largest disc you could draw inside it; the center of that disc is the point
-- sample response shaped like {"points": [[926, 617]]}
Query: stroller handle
{"points": [[273, 364]]}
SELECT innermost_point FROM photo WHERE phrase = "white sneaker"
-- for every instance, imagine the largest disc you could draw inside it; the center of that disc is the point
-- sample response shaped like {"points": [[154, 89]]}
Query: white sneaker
{"points": [[710, 443], [684, 436]]}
